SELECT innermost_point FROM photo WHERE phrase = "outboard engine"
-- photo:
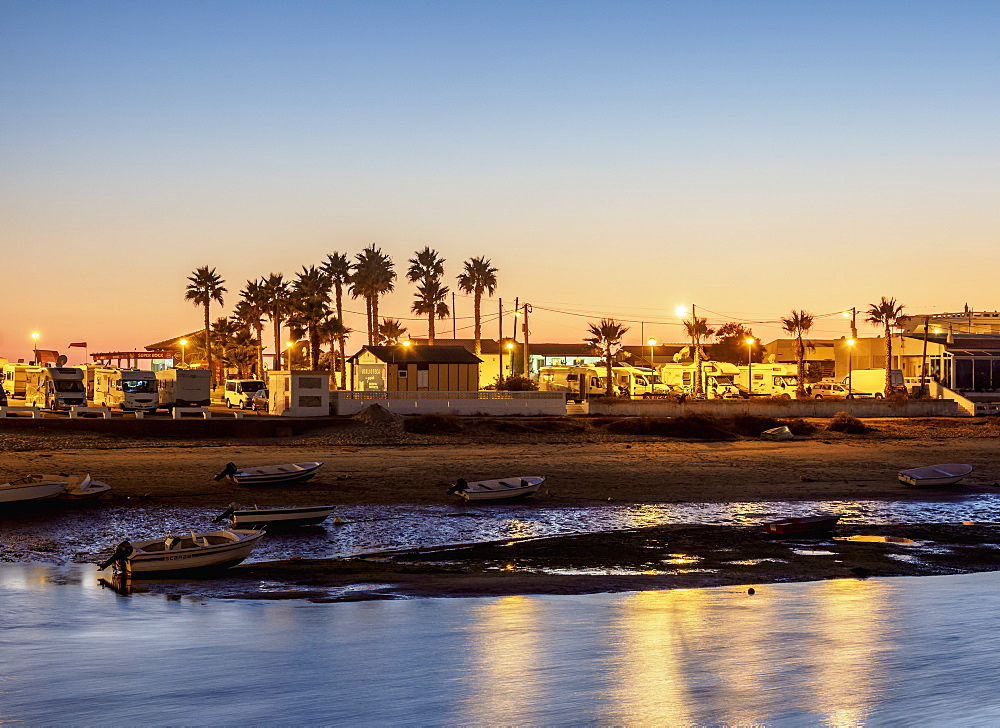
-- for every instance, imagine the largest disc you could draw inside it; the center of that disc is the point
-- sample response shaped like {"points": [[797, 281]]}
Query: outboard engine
{"points": [[230, 470]]}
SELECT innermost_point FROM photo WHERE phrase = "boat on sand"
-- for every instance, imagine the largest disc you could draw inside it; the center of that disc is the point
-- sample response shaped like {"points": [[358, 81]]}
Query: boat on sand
{"points": [[803, 525], [273, 518], [32, 488], [499, 489], [932, 476], [269, 474], [176, 553], [78, 487]]}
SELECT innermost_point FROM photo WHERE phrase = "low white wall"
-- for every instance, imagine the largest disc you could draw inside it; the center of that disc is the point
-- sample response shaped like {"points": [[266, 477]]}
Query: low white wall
{"points": [[790, 408], [452, 403]]}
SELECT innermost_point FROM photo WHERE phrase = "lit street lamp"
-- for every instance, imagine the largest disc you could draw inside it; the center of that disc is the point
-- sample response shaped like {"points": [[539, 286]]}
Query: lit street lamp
{"points": [[34, 344], [749, 340], [651, 343], [288, 348], [183, 343]]}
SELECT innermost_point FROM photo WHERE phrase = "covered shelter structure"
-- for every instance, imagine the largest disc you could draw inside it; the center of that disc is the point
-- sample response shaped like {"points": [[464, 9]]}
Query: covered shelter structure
{"points": [[414, 368]]}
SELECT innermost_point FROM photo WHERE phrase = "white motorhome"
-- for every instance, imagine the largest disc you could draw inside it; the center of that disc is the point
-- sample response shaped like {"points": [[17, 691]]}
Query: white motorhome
{"points": [[126, 389], [638, 382], [240, 392], [769, 380], [870, 383], [184, 388], [15, 378], [55, 388], [578, 381], [718, 378]]}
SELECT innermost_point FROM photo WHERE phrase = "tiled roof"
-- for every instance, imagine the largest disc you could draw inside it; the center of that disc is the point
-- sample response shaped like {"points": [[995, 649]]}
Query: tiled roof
{"points": [[416, 354]]}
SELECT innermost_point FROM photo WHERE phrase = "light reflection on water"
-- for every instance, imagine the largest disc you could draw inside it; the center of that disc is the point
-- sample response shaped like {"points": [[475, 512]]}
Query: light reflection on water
{"points": [[81, 535], [902, 651]]}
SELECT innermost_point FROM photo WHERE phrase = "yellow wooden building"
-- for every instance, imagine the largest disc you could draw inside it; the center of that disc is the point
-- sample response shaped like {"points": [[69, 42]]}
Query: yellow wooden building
{"points": [[401, 368]]}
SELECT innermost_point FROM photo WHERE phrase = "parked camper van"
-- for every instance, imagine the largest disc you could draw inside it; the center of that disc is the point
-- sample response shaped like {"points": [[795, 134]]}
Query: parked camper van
{"points": [[126, 389], [55, 388], [638, 382], [769, 380], [719, 378], [578, 381], [870, 383], [184, 388], [15, 379], [239, 392]]}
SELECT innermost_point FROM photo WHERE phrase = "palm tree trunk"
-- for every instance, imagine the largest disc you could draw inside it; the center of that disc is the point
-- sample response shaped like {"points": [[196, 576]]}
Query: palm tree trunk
{"points": [[343, 364], [340, 317], [479, 329], [374, 316], [430, 329], [800, 355], [608, 383], [277, 341], [208, 349], [888, 362], [259, 328]]}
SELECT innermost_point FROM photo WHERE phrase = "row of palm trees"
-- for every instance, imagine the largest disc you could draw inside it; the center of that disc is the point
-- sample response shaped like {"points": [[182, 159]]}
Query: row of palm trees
{"points": [[606, 338], [311, 305]]}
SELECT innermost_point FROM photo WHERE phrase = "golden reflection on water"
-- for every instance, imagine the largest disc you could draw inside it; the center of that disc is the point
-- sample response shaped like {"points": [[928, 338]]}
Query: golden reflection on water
{"points": [[852, 620], [503, 641]]}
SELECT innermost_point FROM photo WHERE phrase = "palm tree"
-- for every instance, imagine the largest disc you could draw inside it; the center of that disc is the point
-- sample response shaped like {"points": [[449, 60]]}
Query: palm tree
{"points": [[338, 268], [478, 276], [698, 330], [333, 331], [251, 310], [430, 302], [275, 292], [205, 286], [372, 277], [886, 313], [308, 307], [798, 325], [426, 270], [237, 346], [390, 331], [606, 337]]}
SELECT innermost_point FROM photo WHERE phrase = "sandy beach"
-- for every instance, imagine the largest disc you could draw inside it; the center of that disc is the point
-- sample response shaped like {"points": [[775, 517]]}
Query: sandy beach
{"points": [[586, 461]]}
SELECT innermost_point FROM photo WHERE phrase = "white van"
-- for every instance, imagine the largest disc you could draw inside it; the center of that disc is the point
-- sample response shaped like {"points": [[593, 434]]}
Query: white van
{"points": [[184, 388], [126, 389], [240, 392], [55, 388]]}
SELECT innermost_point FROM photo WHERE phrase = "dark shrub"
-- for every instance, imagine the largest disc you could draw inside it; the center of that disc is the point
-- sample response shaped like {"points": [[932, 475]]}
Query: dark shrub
{"points": [[699, 427], [799, 426], [843, 422], [752, 425], [432, 424]]}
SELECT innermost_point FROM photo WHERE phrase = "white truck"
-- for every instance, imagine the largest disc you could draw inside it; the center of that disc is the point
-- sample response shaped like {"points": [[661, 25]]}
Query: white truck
{"points": [[126, 389], [184, 388], [769, 380], [55, 388], [240, 392], [718, 378], [870, 383]]}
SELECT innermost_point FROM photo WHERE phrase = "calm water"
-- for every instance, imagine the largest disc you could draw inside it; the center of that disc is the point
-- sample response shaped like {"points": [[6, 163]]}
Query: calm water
{"points": [[903, 651]]}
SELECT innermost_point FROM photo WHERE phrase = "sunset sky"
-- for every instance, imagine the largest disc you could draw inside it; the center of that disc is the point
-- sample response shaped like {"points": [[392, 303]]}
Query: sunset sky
{"points": [[612, 158]]}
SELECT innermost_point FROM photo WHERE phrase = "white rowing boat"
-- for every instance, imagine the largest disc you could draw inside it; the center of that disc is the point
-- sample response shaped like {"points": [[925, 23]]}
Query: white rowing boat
{"points": [[499, 489], [274, 518], [931, 476], [269, 474], [31, 488], [175, 553], [78, 487]]}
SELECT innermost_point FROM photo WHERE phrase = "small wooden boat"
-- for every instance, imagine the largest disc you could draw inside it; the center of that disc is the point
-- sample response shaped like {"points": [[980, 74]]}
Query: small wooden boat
{"points": [[31, 488], [500, 489], [269, 474], [778, 433], [803, 525], [78, 487], [175, 553], [934, 475], [273, 518]]}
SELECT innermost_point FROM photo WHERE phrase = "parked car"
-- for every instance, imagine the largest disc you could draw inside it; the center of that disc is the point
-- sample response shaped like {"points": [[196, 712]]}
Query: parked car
{"points": [[830, 390], [259, 401]]}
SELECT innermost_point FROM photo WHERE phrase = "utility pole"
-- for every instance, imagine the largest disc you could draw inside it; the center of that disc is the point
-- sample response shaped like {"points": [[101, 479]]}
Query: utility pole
{"points": [[923, 361], [454, 322], [500, 340], [517, 313], [527, 310]]}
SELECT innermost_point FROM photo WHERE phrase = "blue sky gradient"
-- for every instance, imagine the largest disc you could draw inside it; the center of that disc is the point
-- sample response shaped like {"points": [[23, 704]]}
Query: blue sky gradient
{"points": [[611, 158]]}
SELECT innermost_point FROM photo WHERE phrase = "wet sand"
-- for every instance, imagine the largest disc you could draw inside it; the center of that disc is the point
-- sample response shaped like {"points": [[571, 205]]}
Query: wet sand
{"points": [[584, 462]]}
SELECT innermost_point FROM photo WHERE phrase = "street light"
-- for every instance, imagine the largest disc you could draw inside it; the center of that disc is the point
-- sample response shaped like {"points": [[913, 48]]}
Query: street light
{"points": [[651, 343], [183, 343], [850, 367], [34, 344], [749, 340], [288, 347]]}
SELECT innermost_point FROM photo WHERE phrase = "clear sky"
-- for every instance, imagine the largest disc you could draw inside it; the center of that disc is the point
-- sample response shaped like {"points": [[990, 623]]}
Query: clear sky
{"points": [[612, 158]]}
